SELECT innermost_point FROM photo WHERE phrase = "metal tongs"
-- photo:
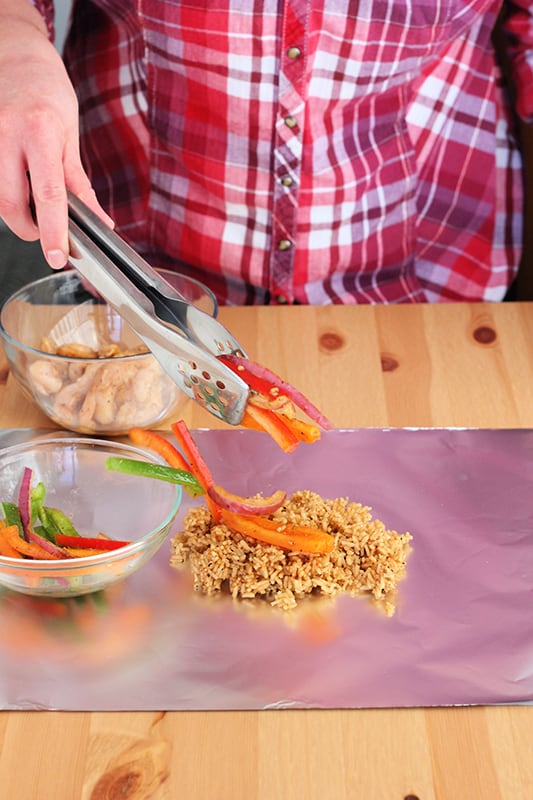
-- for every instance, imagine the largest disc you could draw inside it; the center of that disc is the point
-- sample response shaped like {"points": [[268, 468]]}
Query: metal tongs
{"points": [[185, 340]]}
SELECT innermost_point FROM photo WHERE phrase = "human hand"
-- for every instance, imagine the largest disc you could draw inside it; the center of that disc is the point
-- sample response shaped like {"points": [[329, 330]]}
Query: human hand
{"points": [[39, 140]]}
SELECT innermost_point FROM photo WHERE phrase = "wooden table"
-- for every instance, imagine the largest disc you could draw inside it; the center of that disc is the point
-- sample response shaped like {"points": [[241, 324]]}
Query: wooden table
{"points": [[445, 365]]}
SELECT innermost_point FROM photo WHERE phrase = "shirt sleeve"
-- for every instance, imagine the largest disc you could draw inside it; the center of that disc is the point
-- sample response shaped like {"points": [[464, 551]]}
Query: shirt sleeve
{"points": [[46, 9], [518, 28]]}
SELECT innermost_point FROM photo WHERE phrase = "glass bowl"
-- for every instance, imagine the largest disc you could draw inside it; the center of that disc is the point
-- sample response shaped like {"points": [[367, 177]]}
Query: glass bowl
{"points": [[78, 360], [124, 507]]}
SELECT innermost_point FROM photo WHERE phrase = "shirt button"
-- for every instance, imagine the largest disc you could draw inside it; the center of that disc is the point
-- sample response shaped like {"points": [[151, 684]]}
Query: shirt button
{"points": [[284, 244], [290, 122], [294, 52], [286, 180]]}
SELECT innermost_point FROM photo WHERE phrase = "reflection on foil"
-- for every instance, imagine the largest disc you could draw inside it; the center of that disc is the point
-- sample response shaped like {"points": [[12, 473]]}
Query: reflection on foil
{"points": [[461, 634], [88, 632]]}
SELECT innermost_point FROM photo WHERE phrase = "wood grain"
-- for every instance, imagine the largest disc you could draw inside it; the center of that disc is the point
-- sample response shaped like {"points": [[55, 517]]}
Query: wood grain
{"points": [[446, 365]]}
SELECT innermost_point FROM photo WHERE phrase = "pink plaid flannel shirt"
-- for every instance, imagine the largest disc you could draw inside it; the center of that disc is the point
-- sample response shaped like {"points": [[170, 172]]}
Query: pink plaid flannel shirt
{"points": [[304, 151]]}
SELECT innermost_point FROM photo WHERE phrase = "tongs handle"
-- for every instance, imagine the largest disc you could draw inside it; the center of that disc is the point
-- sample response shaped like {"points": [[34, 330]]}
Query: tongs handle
{"points": [[134, 268], [184, 339]]}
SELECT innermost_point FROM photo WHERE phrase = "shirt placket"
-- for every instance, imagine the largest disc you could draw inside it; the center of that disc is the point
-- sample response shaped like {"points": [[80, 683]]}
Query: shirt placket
{"points": [[288, 149]]}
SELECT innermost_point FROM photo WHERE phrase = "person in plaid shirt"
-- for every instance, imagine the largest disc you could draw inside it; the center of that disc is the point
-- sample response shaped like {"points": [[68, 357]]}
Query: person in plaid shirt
{"points": [[279, 151]]}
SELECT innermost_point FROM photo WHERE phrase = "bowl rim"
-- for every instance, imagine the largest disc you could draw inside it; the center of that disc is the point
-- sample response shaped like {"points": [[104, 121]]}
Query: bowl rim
{"points": [[70, 565], [34, 351]]}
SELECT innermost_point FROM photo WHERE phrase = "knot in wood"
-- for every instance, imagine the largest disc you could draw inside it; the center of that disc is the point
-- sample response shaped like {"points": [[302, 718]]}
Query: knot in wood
{"points": [[135, 773], [389, 363], [121, 783], [331, 341], [484, 334]]}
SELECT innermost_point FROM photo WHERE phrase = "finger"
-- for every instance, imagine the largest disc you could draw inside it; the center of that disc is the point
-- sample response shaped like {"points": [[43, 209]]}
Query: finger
{"points": [[89, 198], [15, 198], [45, 166], [79, 184]]}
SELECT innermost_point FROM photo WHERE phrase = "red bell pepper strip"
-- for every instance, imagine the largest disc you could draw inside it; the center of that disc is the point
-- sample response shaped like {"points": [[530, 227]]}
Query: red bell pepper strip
{"points": [[270, 422], [269, 388], [84, 552], [249, 370], [91, 542], [195, 462], [154, 441]]}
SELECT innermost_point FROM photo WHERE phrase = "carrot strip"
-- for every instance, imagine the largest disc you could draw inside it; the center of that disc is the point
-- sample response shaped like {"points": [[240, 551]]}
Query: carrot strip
{"points": [[24, 547], [290, 537], [6, 549], [275, 525], [272, 424], [160, 445], [250, 423], [305, 431]]}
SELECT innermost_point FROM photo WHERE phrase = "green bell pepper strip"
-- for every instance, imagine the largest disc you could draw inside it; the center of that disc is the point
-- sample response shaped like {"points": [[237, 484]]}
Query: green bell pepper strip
{"points": [[39, 513], [38, 494], [60, 522], [53, 520], [12, 516], [160, 472], [46, 523]]}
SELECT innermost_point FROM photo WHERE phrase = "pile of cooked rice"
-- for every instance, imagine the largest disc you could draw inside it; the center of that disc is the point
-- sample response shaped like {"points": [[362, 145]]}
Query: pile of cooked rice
{"points": [[367, 558]]}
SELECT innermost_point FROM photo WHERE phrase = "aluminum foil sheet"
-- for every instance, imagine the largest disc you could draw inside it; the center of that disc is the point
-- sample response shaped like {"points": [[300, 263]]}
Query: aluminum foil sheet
{"points": [[462, 632]]}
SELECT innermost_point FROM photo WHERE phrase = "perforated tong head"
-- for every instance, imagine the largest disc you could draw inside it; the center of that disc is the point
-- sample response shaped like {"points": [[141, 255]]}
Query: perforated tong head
{"points": [[185, 340]]}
